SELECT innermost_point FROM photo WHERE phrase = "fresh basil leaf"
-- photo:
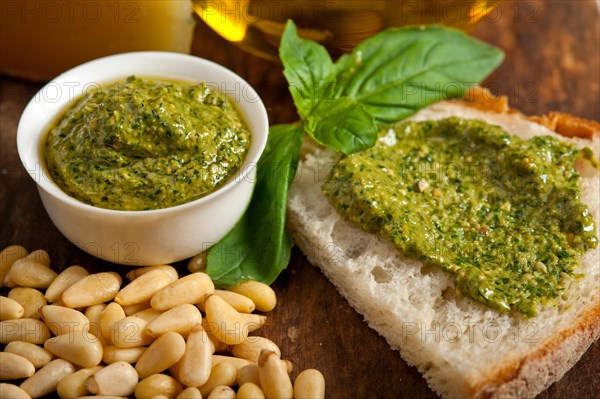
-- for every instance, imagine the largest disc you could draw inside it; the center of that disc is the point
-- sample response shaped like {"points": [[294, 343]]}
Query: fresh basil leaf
{"points": [[399, 71], [259, 247], [308, 70], [343, 125]]}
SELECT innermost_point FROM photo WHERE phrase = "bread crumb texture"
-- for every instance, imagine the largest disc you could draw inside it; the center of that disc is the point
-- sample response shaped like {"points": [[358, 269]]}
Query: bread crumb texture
{"points": [[463, 348]]}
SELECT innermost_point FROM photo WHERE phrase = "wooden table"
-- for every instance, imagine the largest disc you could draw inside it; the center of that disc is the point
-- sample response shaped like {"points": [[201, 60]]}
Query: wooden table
{"points": [[552, 63]]}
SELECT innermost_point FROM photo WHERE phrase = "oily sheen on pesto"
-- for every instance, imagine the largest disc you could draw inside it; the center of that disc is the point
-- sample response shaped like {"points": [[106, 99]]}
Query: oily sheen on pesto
{"points": [[502, 214], [145, 144]]}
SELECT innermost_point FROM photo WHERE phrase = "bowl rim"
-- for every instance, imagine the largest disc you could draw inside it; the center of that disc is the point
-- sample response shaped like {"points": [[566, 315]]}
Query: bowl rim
{"points": [[44, 181]]}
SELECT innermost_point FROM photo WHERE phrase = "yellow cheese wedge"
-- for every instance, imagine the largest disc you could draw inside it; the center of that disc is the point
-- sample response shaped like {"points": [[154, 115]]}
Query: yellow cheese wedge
{"points": [[39, 39]]}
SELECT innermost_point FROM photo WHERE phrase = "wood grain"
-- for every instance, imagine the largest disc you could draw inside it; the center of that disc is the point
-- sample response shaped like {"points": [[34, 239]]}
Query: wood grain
{"points": [[552, 63]]}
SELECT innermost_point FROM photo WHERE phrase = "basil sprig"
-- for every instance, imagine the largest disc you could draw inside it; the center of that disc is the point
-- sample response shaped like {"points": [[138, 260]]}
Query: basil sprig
{"points": [[259, 247], [342, 105]]}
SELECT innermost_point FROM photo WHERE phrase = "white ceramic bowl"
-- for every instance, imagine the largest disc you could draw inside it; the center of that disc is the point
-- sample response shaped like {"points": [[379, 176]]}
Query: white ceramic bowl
{"points": [[141, 237]]}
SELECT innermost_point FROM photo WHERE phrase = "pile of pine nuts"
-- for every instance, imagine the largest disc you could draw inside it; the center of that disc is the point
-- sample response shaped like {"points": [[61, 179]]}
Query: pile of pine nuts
{"points": [[160, 335]]}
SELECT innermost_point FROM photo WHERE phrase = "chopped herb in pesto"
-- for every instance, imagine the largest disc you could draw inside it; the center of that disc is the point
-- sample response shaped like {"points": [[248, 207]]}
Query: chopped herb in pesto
{"points": [[144, 144], [502, 214]]}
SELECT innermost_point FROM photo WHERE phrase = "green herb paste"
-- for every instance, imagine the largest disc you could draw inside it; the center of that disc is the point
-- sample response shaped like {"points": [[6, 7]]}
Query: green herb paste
{"points": [[144, 144], [502, 214]]}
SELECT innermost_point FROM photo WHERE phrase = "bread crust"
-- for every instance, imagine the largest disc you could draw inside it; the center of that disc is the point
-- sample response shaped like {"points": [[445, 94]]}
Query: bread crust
{"points": [[560, 122], [547, 364], [521, 376], [568, 125]]}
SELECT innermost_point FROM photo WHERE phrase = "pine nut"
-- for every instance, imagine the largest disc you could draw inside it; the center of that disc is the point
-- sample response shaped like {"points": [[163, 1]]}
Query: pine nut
{"points": [[289, 366], [180, 319], [235, 361], [218, 345], [31, 300], [261, 294], [117, 379], [39, 256], [132, 274], [222, 392], [8, 281], [237, 301], [212, 344], [158, 385], [224, 322], [309, 384], [10, 309], [197, 263], [80, 348], [29, 273], [131, 332], [13, 392], [189, 289], [8, 256], [195, 366], [143, 288], [37, 355], [61, 320], [250, 349], [174, 371], [91, 290], [220, 374], [250, 390], [64, 280], [36, 256], [73, 386], [46, 379], [109, 318], [167, 350], [248, 373], [13, 367], [253, 321], [136, 307], [148, 314], [28, 330], [148, 324], [190, 393], [273, 375], [113, 354], [170, 270], [92, 313], [118, 277]]}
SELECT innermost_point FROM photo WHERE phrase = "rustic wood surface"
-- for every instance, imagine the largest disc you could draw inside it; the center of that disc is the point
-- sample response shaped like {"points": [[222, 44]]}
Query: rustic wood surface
{"points": [[552, 63]]}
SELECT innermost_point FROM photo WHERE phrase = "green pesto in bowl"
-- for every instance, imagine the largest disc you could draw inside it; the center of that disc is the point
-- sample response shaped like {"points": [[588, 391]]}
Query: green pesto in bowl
{"points": [[145, 144]]}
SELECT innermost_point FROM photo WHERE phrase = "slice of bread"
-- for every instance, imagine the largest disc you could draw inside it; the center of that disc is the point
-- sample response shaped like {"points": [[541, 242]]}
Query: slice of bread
{"points": [[463, 348]]}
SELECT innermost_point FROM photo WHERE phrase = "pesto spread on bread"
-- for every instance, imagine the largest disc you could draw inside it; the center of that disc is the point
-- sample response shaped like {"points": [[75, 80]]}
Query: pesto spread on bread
{"points": [[500, 213], [145, 144]]}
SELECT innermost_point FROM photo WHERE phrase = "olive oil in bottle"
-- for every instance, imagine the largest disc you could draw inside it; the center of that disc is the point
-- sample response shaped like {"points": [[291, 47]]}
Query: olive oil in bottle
{"points": [[257, 25]]}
